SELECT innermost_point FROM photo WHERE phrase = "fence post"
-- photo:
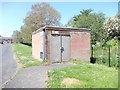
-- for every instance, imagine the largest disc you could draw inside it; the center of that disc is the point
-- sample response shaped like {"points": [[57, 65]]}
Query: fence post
{"points": [[109, 56], [118, 53], [92, 51]]}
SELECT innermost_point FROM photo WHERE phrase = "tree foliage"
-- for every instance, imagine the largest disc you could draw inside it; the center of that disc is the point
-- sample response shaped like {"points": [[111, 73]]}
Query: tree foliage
{"points": [[93, 21], [86, 12], [17, 36], [41, 14], [26, 34], [113, 27]]}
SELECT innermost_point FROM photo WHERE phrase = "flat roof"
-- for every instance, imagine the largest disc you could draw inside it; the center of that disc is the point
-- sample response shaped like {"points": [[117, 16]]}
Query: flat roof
{"points": [[60, 29]]}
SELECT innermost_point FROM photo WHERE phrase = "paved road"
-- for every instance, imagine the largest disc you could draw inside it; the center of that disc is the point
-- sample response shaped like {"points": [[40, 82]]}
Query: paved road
{"points": [[9, 65], [33, 77]]}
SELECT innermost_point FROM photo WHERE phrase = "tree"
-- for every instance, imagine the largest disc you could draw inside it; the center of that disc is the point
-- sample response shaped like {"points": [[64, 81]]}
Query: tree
{"points": [[83, 13], [41, 14], [26, 34], [93, 21], [17, 36], [113, 27], [86, 12]]}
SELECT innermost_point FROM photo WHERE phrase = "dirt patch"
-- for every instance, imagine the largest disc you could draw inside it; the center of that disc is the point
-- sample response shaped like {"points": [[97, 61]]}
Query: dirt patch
{"points": [[70, 81]]}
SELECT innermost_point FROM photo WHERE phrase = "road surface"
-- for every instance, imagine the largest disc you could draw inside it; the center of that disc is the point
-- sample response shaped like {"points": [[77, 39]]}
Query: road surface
{"points": [[9, 65]]}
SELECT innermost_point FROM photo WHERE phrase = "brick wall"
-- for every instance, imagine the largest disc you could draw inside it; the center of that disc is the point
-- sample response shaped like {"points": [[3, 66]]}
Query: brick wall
{"points": [[48, 33], [37, 44], [80, 45]]}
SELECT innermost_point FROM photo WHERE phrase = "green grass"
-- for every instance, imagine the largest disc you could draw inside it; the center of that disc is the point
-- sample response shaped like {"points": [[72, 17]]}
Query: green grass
{"points": [[24, 55], [90, 75]]}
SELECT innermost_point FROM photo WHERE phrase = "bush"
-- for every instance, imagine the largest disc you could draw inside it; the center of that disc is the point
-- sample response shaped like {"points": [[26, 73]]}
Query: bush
{"points": [[101, 53]]}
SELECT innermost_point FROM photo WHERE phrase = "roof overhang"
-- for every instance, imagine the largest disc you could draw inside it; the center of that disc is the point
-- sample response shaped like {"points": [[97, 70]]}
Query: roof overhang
{"points": [[61, 29]]}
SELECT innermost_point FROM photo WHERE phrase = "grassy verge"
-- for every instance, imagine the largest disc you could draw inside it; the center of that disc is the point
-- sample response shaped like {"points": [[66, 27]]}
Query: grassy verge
{"points": [[24, 55], [90, 76], [101, 54]]}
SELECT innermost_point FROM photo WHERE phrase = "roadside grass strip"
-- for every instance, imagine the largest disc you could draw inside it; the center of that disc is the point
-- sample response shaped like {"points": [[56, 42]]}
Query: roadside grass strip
{"points": [[24, 55]]}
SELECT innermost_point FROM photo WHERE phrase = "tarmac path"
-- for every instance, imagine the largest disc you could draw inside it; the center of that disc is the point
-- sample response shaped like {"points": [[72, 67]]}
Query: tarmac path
{"points": [[8, 63], [34, 77]]}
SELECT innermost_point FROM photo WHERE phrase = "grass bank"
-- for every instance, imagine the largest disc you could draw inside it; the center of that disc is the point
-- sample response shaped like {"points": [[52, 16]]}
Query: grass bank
{"points": [[24, 55], [89, 75]]}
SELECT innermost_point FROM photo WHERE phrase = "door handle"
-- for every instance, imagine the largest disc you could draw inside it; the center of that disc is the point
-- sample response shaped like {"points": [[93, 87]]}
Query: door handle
{"points": [[62, 49]]}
